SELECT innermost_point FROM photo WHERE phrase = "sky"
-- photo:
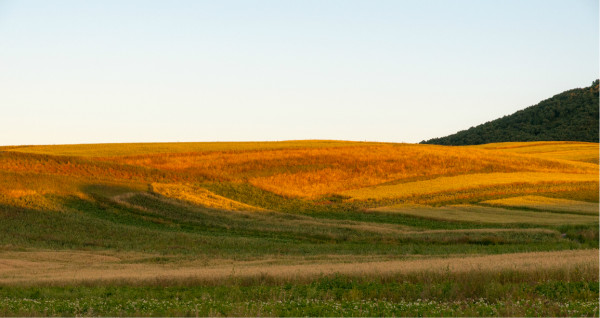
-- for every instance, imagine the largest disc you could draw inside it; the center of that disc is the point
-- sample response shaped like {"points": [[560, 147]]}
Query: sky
{"points": [[104, 71]]}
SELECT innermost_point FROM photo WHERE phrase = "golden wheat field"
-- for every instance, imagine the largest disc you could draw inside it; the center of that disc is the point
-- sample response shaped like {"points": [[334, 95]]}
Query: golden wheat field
{"points": [[301, 169], [567, 150], [304, 169]]}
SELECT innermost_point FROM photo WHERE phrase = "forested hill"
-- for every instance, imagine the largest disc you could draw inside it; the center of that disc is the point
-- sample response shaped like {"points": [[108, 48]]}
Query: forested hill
{"points": [[568, 116]]}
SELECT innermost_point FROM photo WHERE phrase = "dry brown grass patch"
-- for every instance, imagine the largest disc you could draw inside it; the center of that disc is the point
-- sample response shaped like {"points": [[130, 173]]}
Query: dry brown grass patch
{"points": [[31, 269]]}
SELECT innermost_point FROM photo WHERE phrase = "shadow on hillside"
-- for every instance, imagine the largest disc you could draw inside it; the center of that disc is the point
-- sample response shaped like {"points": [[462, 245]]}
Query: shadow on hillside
{"points": [[105, 190]]}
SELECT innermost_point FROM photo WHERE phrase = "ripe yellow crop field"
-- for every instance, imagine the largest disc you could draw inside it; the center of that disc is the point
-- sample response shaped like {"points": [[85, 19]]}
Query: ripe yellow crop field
{"points": [[132, 149], [566, 150], [308, 169], [483, 214], [312, 172], [465, 182], [583, 191], [548, 204]]}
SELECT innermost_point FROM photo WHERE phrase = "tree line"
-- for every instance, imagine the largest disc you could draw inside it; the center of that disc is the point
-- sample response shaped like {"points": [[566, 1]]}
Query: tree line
{"points": [[568, 116]]}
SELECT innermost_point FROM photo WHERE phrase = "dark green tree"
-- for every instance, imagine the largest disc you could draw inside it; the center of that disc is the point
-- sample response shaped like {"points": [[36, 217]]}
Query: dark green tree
{"points": [[568, 116]]}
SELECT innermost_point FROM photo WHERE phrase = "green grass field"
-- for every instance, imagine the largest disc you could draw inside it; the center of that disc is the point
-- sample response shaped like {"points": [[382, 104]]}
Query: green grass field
{"points": [[91, 230]]}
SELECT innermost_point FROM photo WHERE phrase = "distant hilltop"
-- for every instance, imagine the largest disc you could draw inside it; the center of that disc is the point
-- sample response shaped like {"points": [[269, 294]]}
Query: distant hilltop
{"points": [[568, 116]]}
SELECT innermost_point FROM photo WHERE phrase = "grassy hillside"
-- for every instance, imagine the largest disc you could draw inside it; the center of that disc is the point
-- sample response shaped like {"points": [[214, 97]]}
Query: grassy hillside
{"points": [[325, 227], [571, 115]]}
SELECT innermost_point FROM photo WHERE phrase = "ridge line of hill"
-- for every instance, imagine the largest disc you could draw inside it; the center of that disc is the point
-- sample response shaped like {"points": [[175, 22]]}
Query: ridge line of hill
{"points": [[569, 116]]}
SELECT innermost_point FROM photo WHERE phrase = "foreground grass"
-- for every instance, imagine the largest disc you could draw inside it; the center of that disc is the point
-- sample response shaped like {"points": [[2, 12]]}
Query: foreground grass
{"points": [[100, 306], [475, 293]]}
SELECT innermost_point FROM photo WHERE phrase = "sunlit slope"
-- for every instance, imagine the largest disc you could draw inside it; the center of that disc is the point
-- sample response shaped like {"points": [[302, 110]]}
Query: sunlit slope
{"points": [[199, 196], [313, 169], [467, 182], [313, 172], [131, 149], [566, 150]]}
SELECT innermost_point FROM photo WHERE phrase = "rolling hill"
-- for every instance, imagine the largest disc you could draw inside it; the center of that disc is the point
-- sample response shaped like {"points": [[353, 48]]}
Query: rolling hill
{"points": [[286, 228], [568, 116]]}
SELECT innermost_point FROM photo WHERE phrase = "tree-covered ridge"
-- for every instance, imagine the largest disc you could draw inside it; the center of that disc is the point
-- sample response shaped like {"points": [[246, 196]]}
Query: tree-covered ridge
{"points": [[568, 116]]}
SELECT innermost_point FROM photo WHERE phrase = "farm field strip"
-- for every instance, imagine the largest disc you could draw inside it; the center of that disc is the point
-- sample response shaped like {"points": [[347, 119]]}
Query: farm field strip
{"points": [[546, 204], [200, 196], [52, 267], [307, 226], [484, 214], [277, 220], [464, 182], [576, 151]]}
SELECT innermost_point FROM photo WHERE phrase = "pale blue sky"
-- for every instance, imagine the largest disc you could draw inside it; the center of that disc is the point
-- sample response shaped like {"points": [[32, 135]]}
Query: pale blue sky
{"points": [[403, 71]]}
